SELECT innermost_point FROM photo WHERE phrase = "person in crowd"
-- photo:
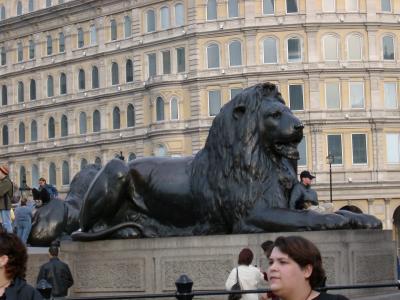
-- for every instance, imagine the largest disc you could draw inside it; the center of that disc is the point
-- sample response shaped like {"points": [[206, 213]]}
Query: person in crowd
{"points": [[302, 195], [6, 194], [57, 273], [13, 259], [267, 248], [250, 277], [51, 189], [23, 220], [40, 197], [295, 270]]}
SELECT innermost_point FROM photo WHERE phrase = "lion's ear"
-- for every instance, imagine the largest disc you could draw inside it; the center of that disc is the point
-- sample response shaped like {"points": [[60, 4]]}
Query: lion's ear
{"points": [[239, 111]]}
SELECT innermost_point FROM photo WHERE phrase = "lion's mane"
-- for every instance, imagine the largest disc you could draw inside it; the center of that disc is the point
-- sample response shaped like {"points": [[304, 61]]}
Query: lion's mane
{"points": [[231, 172]]}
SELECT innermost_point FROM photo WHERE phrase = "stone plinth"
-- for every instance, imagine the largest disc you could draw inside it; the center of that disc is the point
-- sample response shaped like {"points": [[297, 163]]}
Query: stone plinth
{"points": [[153, 265]]}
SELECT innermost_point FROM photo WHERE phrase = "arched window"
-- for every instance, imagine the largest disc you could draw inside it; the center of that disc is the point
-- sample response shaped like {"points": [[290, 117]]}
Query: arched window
{"points": [[19, 8], [354, 47], [34, 135], [22, 175], [81, 41], [159, 109], [82, 123], [113, 30], [116, 118], [49, 45], [81, 79], [4, 96], [61, 42], [51, 128], [114, 73], [213, 56], [65, 173], [331, 47], [63, 84], [48, 3], [84, 163], [130, 116], [21, 133], [64, 125], [127, 26], [151, 20], [31, 6], [20, 52], [129, 71], [132, 156], [2, 12], [52, 174], [270, 51], [95, 77], [235, 53], [20, 92], [174, 109], [179, 15], [388, 47], [164, 12], [5, 135], [233, 8], [294, 49], [31, 49], [32, 91], [211, 10], [50, 86], [35, 175], [161, 150], [96, 121], [3, 56], [93, 35], [97, 161]]}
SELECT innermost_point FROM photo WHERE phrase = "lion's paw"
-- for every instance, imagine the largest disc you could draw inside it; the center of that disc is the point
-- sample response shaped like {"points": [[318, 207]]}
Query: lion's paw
{"points": [[361, 221]]}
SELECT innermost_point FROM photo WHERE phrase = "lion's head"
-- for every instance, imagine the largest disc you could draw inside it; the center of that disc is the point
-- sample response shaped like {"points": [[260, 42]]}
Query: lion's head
{"points": [[252, 131]]}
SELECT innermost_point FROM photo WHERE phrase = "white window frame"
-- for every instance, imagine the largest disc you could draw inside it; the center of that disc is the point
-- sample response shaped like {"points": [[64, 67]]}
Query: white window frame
{"points": [[227, 10], [341, 147], [302, 90], [305, 143], [301, 49], [356, 10], [219, 55], [170, 108], [394, 47], [208, 102], [161, 17], [276, 49], [366, 149], [396, 91], [233, 88], [292, 13], [216, 12], [262, 7], [241, 53], [337, 47], [360, 36], [398, 146], [340, 95], [363, 90], [324, 9], [384, 11]]}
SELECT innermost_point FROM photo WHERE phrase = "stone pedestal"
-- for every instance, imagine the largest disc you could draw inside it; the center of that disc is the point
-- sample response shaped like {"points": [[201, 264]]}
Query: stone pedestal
{"points": [[152, 265]]}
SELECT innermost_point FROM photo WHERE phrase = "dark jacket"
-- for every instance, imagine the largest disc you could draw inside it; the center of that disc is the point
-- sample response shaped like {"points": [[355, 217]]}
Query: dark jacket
{"points": [[301, 194], [6, 193], [57, 273], [20, 290]]}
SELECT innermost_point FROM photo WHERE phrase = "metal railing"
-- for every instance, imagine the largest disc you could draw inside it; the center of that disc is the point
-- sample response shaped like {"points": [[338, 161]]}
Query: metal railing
{"points": [[184, 291]]}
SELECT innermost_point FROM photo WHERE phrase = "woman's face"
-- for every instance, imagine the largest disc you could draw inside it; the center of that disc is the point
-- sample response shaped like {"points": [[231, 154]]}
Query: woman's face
{"points": [[285, 276]]}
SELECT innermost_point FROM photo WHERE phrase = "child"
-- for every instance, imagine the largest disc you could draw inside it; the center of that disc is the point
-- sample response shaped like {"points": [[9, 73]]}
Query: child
{"points": [[23, 220]]}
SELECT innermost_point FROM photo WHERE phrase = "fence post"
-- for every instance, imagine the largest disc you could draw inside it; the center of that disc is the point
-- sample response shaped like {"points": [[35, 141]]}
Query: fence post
{"points": [[184, 288]]}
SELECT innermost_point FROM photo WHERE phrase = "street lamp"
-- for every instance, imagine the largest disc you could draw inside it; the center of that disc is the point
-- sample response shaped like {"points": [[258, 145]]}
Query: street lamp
{"points": [[120, 156], [330, 158], [24, 188]]}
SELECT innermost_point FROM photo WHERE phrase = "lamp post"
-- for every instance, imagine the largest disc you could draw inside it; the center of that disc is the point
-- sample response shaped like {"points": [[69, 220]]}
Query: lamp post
{"points": [[120, 156], [330, 158], [24, 188]]}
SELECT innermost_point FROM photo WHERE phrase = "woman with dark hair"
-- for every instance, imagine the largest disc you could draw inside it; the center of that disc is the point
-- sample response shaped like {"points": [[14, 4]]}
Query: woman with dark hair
{"points": [[295, 270], [249, 276], [13, 258]]}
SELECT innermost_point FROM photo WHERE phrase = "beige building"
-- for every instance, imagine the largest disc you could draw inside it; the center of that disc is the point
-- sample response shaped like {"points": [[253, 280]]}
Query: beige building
{"points": [[83, 80]]}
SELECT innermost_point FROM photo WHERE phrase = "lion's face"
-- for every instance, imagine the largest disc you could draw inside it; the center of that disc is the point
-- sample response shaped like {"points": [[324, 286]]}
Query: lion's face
{"points": [[281, 131]]}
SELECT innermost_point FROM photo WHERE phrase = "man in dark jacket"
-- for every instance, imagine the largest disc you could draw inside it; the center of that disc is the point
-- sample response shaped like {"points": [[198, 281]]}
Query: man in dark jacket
{"points": [[58, 274], [6, 193], [303, 196]]}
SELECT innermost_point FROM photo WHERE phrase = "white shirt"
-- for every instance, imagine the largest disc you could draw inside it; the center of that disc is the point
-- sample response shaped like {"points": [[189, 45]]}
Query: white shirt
{"points": [[249, 276]]}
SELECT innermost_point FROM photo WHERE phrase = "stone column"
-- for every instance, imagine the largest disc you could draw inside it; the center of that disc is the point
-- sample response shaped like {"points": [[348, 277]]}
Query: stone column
{"points": [[250, 38], [372, 43], [313, 55], [370, 204], [388, 217]]}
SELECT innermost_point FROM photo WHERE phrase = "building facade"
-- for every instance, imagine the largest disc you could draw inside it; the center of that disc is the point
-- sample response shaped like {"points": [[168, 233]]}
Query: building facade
{"points": [[83, 81]]}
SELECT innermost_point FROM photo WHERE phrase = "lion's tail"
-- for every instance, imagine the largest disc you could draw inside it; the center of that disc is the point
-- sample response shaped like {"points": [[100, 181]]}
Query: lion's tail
{"points": [[106, 233]]}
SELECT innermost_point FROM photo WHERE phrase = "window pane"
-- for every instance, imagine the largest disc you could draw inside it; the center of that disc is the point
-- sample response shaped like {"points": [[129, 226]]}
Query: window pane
{"points": [[294, 49], [268, 7], [390, 90], [65, 173], [51, 128], [52, 174], [151, 21], [80, 38], [93, 35], [392, 148], [214, 102], [356, 95], [211, 10], [82, 123], [331, 48], [296, 96], [22, 175], [129, 71], [180, 59], [31, 49], [152, 64], [48, 3], [164, 17], [61, 42], [35, 175], [33, 90], [130, 116], [233, 8], [81, 79], [351, 5], [166, 62], [127, 26], [21, 132], [179, 15], [84, 163], [335, 148], [385, 6], [2, 12], [5, 135], [64, 125], [132, 156], [359, 142], [113, 28], [30, 9], [213, 56], [332, 95], [49, 45], [20, 52], [355, 47], [291, 6], [95, 77], [50, 86], [19, 8], [63, 84], [174, 109], [160, 109], [388, 48], [116, 118], [302, 148], [4, 95], [96, 121], [235, 91], [20, 92], [235, 53], [270, 53], [114, 74], [329, 5], [3, 56], [33, 131]]}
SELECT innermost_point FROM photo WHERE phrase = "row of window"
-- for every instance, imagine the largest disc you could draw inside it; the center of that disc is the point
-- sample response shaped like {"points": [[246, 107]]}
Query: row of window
{"points": [[32, 5]]}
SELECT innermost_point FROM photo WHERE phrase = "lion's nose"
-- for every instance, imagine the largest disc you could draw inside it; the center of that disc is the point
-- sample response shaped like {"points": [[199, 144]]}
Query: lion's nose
{"points": [[299, 126]]}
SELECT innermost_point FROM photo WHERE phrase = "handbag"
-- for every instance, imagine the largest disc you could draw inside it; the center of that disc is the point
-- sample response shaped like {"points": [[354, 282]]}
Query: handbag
{"points": [[236, 287]]}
